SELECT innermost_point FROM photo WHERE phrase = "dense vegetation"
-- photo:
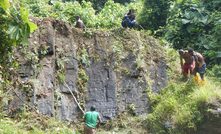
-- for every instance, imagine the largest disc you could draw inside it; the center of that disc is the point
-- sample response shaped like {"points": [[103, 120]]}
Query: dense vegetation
{"points": [[182, 23], [154, 14], [181, 107], [196, 24], [186, 23], [15, 28], [109, 17]]}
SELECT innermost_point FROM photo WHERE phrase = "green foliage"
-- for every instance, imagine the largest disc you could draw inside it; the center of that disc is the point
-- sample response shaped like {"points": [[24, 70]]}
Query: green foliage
{"points": [[131, 109], [38, 8], [109, 16], [83, 57], [99, 4], [215, 72], [15, 29], [124, 1], [179, 108], [196, 24], [71, 10], [186, 23], [61, 69], [154, 14], [31, 123]]}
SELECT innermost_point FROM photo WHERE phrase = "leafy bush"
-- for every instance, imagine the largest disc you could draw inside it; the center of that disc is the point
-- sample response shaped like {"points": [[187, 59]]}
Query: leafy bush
{"points": [[85, 11], [31, 123], [196, 24], [154, 14], [15, 29], [38, 8], [109, 16], [179, 108], [215, 72], [99, 4]]}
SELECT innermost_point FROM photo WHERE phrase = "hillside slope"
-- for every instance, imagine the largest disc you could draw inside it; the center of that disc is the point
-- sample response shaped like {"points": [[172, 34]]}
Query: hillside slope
{"points": [[122, 72], [109, 69]]}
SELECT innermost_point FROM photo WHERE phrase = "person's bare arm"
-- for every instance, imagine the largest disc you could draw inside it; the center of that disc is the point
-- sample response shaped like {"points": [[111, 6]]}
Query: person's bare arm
{"points": [[84, 118], [198, 59], [181, 61], [99, 120]]}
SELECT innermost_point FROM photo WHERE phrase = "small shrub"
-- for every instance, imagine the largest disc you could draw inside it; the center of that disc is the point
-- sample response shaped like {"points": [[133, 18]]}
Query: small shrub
{"points": [[180, 108], [215, 72]]}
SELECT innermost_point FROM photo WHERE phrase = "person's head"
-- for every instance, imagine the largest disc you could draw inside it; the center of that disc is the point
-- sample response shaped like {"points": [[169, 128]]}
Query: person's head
{"points": [[131, 11], [77, 17], [132, 17], [181, 51], [190, 51], [92, 108]]}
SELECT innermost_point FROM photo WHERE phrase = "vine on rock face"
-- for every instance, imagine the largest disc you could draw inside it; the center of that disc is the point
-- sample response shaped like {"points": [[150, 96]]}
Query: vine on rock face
{"points": [[83, 78], [15, 29]]}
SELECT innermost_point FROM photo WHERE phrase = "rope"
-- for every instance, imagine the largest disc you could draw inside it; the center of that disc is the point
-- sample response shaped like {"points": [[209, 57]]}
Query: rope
{"points": [[74, 98]]}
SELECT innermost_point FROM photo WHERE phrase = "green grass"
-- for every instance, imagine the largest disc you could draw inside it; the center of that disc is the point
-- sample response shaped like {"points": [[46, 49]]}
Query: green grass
{"points": [[31, 123], [180, 107], [125, 123]]}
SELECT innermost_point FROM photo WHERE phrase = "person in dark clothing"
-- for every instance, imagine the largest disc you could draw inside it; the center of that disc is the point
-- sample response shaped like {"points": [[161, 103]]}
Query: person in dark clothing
{"points": [[79, 23], [129, 19]]}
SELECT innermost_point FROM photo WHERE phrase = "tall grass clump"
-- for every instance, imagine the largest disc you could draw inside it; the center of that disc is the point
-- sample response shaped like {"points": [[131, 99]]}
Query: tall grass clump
{"points": [[32, 123], [215, 72], [180, 108]]}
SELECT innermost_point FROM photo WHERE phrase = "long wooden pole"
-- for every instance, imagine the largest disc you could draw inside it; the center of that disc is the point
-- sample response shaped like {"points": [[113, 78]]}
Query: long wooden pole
{"points": [[74, 98]]}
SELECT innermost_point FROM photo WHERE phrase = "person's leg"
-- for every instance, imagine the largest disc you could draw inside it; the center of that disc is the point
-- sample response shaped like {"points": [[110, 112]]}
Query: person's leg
{"points": [[202, 71], [185, 70], [192, 67], [93, 131], [202, 76], [88, 130], [196, 77], [85, 129]]}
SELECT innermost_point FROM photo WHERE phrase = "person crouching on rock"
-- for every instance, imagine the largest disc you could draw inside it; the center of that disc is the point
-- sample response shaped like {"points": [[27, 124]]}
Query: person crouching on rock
{"points": [[92, 120], [79, 23], [129, 19]]}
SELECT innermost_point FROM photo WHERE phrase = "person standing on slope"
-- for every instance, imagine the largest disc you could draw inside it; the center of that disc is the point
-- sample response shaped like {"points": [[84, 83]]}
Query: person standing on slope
{"points": [[200, 63], [92, 120], [188, 65]]}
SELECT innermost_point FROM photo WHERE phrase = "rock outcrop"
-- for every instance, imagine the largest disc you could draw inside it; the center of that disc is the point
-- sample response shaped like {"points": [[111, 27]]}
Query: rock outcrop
{"points": [[109, 69], [212, 120]]}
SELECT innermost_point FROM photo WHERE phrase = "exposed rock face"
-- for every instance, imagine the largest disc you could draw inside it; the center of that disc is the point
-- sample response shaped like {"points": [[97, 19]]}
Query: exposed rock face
{"points": [[111, 70], [211, 124]]}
